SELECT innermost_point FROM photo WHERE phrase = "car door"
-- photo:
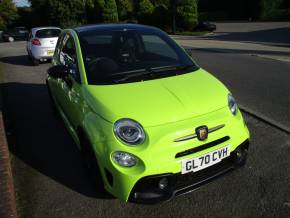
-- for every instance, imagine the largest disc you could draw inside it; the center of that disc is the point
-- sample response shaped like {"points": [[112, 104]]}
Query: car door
{"points": [[69, 95]]}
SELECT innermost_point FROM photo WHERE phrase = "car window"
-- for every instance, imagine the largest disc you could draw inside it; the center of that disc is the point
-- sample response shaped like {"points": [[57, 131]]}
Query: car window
{"points": [[155, 45], [47, 33], [68, 56], [111, 56]]}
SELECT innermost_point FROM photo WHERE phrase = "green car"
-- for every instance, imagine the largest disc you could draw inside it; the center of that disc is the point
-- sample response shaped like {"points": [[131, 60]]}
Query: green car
{"points": [[150, 123]]}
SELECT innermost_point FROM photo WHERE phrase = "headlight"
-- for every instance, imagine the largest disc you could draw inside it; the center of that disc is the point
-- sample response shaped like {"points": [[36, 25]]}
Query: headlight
{"points": [[129, 131], [232, 104], [124, 159]]}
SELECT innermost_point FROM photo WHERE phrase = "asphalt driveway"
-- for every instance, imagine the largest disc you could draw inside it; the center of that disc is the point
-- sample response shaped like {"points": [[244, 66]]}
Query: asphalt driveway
{"points": [[51, 181]]}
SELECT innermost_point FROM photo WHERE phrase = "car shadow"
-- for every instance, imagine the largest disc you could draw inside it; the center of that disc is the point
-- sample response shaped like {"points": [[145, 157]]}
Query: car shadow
{"points": [[21, 60], [38, 138]]}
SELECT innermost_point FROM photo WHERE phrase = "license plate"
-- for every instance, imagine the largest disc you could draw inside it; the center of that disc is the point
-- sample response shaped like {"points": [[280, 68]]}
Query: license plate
{"points": [[204, 161], [50, 52]]}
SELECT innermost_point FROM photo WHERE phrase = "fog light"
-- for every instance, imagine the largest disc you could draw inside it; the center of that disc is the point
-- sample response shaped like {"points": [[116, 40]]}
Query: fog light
{"points": [[240, 156], [163, 183], [124, 159]]}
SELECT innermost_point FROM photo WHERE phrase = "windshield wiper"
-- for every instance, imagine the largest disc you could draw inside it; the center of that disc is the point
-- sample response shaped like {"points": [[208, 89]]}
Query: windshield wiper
{"points": [[150, 71], [170, 68], [136, 73]]}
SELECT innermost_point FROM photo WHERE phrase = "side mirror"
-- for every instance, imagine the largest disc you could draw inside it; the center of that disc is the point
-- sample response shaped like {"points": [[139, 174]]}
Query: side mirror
{"points": [[58, 71]]}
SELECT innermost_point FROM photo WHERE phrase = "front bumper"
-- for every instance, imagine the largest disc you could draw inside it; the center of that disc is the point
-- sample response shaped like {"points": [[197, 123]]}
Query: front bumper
{"points": [[147, 189], [160, 154]]}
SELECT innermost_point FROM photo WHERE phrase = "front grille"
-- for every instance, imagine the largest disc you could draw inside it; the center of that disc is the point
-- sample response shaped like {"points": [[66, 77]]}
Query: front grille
{"points": [[190, 181], [202, 147]]}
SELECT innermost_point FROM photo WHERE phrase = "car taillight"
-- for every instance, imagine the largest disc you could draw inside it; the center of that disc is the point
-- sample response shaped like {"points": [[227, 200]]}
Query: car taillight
{"points": [[35, 42]]}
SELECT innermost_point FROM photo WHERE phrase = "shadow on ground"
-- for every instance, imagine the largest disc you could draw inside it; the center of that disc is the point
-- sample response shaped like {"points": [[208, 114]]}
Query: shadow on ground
{"points": [[38, 138], [275, 37], [21, 60], [242, 51]]}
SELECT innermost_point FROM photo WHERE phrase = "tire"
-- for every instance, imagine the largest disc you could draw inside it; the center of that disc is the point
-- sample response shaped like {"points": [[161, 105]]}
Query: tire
{"points": [[35, 61], [92, 166], [10, 39], [29, 57]]}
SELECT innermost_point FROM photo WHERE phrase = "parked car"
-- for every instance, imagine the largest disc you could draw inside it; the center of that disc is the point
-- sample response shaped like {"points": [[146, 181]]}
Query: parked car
{"points": [[149, 122], [205, 26], [12, 34], [41, 43]]}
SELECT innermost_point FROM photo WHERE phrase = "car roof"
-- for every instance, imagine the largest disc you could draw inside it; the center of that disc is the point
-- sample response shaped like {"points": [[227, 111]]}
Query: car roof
{"points": [[113, 27], [35, 29]]}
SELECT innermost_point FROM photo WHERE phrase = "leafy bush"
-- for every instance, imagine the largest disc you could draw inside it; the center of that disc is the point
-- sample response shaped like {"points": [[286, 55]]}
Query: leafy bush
{"points": [[145, 11], [125, 9], [110, 12], [8, 13], [268, 7], [161, 17], [187, 17]]}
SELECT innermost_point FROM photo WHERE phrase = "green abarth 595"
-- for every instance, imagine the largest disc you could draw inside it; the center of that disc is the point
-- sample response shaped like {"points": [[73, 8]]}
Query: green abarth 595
{"points": [[150, 123]]}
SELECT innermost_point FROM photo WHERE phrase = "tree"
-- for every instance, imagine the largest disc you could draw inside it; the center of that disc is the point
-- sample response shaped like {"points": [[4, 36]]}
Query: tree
{"points": [[269, 7], [8, 13], [110, 12], [145, 10], [106, 11], [125, 9], [63, 13], [186, 13], [66, 13]]}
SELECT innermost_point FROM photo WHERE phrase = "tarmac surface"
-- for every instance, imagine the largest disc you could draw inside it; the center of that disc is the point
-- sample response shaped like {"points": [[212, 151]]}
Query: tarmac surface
{"points": [[50, 179]]}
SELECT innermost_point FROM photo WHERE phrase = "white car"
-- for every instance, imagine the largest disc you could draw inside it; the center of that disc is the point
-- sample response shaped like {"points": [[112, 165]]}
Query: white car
{"points": [[41, 43]]}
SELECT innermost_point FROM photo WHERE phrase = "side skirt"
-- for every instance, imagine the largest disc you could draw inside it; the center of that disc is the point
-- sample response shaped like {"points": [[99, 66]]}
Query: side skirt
{"points": [[68, 125]]}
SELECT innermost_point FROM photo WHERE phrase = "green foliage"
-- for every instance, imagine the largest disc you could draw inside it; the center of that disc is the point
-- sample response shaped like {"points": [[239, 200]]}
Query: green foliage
{"points": [[186, 12], [125, 9], [104, 11], [98, 9], [164, 3], [65, 13], [162, 17], [8, 13], [145, 11], [269, 7], [110, 12]]}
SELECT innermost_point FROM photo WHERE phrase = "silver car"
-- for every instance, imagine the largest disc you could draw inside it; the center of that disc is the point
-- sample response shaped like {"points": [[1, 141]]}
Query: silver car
{"points": [[41, 43]]}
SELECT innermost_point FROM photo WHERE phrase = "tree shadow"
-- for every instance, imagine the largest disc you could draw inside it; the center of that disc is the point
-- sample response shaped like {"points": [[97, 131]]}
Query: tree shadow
{"points": [[39, 138], [241, 51], [272, 37]]}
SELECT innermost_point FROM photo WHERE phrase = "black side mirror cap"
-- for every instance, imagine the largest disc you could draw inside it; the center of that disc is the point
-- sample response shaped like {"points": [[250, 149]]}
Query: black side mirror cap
{"points": [[58, 71]]}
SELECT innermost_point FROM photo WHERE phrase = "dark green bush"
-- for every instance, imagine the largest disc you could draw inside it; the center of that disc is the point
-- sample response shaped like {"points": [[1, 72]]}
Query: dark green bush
{"points": [[187, 18], [110, 12], [145, 11], [125, 9]]}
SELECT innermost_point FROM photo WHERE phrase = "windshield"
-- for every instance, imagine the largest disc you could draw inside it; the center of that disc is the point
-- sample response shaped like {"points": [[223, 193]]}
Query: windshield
{"points": [[47, 33], [131, 55]]}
